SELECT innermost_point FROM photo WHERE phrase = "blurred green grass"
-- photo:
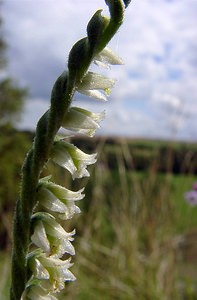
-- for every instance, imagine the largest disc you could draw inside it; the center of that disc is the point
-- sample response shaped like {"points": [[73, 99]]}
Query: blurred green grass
{"points": [[5, 275], [136, 236]]}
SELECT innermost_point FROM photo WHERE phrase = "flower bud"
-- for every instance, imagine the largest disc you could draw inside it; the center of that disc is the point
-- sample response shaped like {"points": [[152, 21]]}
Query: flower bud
{"points": [[95, 28]]}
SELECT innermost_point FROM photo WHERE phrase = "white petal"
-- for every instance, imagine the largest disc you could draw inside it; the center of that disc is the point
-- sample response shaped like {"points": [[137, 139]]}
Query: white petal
{"points": [[63, 246], [34, 294], [55, 229], [39, 237], [81, 156], [59, 272], [49, 201], [94, 94], [106, 57], [97, 117], [39, 270], [53, 262], [83, 121], [72, 158], [68, 275], [64, 194], [65, 211], [58, 199], [94, 81], [68, 214], [35, 291], [63, 159]]}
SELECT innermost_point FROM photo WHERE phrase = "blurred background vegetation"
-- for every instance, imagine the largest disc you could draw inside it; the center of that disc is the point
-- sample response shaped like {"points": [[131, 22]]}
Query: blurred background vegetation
{"points": [[136, 237]]}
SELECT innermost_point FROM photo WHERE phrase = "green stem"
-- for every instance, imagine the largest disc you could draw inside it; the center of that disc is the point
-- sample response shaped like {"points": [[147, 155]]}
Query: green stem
{"points": [[33, 165], [81, 55]]}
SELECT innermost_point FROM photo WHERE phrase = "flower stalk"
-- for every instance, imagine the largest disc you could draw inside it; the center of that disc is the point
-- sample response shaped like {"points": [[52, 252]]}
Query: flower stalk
{"points": [[39, 242]]}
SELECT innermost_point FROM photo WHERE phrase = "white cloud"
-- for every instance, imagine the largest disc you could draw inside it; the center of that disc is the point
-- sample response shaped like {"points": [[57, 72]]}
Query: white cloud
{"points": [[157, 42], [33, 110]]}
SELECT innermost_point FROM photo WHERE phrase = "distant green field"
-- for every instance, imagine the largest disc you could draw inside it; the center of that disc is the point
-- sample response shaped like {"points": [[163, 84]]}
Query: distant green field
{"points": [[136, 235]]}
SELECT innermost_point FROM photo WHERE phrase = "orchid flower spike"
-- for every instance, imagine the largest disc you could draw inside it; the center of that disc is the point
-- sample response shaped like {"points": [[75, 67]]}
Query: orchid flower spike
{"points": [[40, 242]]}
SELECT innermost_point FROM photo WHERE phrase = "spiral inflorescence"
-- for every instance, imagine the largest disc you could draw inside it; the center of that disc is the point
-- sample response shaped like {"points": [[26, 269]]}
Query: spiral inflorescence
{"points": [[37, 247]]}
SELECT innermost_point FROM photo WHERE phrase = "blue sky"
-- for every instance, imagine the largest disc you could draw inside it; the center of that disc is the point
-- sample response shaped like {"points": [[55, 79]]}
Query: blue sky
{"points": [[156, 91]]}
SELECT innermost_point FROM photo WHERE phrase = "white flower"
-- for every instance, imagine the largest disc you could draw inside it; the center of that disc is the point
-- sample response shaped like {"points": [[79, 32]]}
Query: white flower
{"points": [[73, 159], [82, 121], [53, 271], [51, 236], [58, 199], [107, 57], [93, 82], [37, 290]]}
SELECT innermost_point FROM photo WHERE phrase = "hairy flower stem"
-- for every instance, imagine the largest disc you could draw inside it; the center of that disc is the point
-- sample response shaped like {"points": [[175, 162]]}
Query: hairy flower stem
{"points": [[100, 30], [47, 128]]}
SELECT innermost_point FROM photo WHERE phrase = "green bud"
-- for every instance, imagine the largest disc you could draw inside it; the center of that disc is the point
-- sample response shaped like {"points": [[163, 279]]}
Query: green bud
{"points": [[95, 28], [79, 60], [116, 11]]}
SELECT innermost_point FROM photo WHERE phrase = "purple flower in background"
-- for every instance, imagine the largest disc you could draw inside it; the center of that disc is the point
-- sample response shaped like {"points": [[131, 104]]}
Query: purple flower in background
{"points": [[191, 196], [195, 186]]}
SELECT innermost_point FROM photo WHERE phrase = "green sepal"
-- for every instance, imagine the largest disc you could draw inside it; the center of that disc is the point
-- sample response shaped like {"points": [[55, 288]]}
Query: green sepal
{"points": [[79, 60], [42, 216], [95, 28]]}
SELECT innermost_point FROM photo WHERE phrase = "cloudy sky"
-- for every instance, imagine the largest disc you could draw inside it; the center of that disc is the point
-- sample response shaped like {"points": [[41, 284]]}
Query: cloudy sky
{"points": [[156, 91]]}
